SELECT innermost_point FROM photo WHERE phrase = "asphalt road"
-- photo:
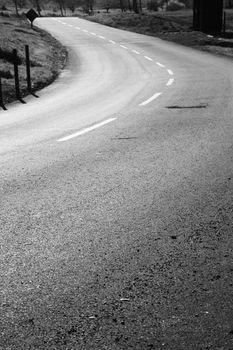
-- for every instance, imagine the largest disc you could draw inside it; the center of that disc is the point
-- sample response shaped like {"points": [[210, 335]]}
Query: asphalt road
{"points": [[116, 199]]}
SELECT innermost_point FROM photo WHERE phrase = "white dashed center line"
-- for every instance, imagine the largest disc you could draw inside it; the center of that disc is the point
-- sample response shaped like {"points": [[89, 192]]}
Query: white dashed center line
{"points": [[170, 82], [148, 58], [152, 98], [160, 64], [86, 130]]}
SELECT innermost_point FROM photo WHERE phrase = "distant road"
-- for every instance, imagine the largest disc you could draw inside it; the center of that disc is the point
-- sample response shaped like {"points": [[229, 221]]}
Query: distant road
{"points": [[116, 199]]}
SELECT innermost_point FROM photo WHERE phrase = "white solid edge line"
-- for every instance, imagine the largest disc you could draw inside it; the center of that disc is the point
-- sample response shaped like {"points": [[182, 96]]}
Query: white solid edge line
{"points": [[170, 81], [137, 53], [170, 71], [152, 98], [84, 131], [148, 58], [160, 64]]}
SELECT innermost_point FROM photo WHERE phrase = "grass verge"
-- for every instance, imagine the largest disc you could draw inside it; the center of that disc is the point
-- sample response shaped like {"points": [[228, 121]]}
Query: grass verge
{"points": [[47, 56]]}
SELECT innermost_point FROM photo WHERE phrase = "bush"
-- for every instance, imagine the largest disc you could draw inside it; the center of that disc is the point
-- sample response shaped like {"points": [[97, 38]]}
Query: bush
{"points": [[9, 57], [6, 74], [174, 5], [152, 5], [4, 14]]}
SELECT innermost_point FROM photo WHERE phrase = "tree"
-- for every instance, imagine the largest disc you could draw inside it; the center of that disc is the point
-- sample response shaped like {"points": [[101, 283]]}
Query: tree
{"points": [[71, 4], [88, 6], [135, 6], [62, 8], [21, 3], [37, 4], [107, 5], [16, 7], [122, 7]]}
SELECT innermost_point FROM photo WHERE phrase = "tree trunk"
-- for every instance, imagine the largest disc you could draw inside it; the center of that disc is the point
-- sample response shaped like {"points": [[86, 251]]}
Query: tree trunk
{"points": [[61, 9], [135, 6], [16, 8], [140, 6], [38, 8], [121, 6]]}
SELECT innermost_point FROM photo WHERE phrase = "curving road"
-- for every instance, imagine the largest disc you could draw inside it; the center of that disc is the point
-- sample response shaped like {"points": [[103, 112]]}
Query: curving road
{"points": [[116, 199]]}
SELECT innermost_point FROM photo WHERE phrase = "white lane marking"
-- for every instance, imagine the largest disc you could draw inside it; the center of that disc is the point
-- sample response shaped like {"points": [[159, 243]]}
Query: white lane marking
{"points": [[77, 28], [124, 47], [170, 82], [93, 33], [160, 64], [134, 51], [84, 131], [70, 25], [85, 31], [148, 58], [102, 37], [112, 41], [63, 23], [170, 71], [152, 98]]}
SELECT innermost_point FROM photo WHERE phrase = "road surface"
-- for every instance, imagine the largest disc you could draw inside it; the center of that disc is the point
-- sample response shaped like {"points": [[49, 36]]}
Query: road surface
{"points": [[116, 199]]}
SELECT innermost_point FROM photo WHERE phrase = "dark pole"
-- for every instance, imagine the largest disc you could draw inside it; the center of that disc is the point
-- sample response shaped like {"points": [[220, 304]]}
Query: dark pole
{"points": [[28, 68], [16, 71], [224, 22], [1, 98]]}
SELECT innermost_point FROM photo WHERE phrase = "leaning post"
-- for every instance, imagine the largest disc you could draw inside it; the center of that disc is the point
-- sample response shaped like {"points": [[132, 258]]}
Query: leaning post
{"points": [[16, 73], [1, 98], [29, 85], [224, 22]]}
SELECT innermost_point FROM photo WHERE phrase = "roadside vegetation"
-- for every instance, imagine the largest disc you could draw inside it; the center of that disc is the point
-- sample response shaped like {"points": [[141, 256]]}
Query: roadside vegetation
{"points": [[47, 56]]}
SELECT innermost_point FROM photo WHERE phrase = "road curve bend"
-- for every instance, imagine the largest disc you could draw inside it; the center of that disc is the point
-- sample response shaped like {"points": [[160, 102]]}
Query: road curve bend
{"points": [[116, 199]]}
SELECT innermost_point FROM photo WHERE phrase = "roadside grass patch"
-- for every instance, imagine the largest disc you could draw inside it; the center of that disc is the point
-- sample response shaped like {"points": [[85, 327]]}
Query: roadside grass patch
{"points": [[47, 56], [151, 22]]}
